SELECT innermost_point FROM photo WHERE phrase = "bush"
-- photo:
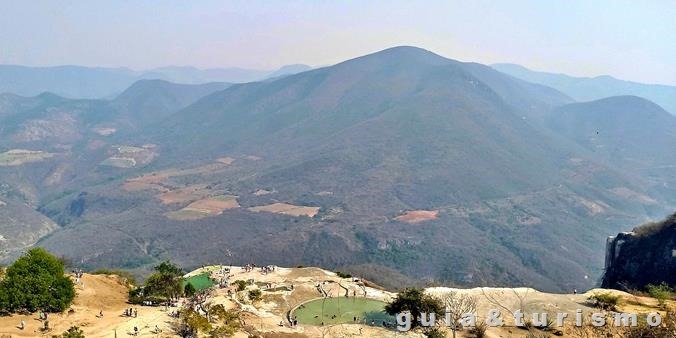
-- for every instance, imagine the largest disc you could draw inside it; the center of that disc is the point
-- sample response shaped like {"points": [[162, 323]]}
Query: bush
{"points": [[36, 281], [255, 295], [480, 330], [605, 301], [189, 290], [241, 285], [343, 275], [138, 296], [434, 333], [660, 292], [73, 332]]}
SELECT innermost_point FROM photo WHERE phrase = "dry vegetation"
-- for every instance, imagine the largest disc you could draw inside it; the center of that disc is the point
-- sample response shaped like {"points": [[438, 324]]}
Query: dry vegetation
{"points": [[129, 157], [16, 157]]}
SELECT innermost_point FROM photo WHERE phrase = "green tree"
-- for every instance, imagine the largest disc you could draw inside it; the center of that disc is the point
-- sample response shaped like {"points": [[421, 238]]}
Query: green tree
{"points": [[36, 281], [189, 290], [165, 282], [191, 323], [229, 321], [415, 301]]}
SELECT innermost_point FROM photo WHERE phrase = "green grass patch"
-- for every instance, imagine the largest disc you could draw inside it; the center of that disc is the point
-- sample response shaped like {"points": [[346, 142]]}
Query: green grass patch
{"points": [[200, 282], [341, 310]]}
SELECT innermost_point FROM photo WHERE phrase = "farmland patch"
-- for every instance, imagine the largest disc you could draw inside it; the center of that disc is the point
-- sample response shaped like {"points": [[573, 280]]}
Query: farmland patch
{"points": [[16, 157], [287, 209], [417, 216]]}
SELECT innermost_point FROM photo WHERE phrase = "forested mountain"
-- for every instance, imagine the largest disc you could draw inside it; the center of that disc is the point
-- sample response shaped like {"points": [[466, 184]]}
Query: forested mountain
{"points": [[401, 160]]}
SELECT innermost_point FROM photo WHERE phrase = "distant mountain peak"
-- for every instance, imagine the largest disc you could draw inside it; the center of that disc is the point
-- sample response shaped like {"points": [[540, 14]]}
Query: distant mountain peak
{"points": [[625, 104], [594, 88], [407, 54]]}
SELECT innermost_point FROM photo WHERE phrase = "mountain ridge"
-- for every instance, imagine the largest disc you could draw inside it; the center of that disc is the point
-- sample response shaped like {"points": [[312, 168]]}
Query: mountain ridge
{"points": [[593, 88], [82, 82]]}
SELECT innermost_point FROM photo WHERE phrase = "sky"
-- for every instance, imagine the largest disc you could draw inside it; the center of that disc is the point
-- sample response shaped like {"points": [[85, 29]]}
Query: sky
{"points": [[631, 40]]}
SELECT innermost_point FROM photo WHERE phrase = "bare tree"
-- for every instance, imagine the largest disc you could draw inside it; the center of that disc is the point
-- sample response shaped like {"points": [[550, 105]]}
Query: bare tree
{"points": [[520, 300], [458, 305]]}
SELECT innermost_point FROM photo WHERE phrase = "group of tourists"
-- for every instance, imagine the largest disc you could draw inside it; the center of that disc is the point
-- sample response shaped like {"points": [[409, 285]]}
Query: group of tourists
{"points": [[130, 313], [267, 269], [263, 269], [78, 273]]}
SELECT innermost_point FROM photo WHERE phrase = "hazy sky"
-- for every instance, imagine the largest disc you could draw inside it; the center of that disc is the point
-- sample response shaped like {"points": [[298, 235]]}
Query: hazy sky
{"points": [[634, 40]]}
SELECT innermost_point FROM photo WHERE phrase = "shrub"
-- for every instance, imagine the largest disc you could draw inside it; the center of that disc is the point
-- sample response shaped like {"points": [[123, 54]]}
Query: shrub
{"points": [[434, 333], [73, 332], [660, 292], [480, 330], [343, 274], [255, 295], [606, 300], [241, 285]]}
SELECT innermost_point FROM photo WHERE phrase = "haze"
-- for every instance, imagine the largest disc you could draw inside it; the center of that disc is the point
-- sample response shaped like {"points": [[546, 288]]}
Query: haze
{"points": [[625, 39]]}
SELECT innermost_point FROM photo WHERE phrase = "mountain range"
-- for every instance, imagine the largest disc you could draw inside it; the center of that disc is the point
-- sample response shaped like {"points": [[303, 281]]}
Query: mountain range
{"points": [[80, 82], [402, 165], [594, 88]]}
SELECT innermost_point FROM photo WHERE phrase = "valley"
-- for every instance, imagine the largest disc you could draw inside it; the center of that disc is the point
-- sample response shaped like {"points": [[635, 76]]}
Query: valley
{"points": [[434, 170]]}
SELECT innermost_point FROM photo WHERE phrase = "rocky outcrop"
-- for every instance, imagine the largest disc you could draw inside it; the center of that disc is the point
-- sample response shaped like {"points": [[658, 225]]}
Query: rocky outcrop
{"points": [[646, 255]]}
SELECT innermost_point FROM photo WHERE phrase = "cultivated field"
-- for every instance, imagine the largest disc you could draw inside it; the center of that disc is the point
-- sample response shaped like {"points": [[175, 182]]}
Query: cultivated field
{"points": [[417, 216], [205, 207], [17, 157], [287, 209], [128, 157], [183, 195]]}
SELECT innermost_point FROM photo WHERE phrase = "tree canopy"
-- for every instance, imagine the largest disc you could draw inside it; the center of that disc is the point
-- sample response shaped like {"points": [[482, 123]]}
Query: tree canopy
{"points": [[166, 281], [415, 301], [36, 281]]}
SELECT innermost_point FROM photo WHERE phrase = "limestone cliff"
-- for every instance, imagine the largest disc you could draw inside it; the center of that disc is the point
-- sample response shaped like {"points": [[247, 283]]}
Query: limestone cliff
{"points": [[646, 255]]}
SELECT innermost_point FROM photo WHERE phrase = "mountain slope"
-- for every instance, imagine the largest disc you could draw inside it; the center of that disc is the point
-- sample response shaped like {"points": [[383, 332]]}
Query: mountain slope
{"points": [[402, 129], [79, 82], [149, 101], [587, 89], [21, 227], [625, 129], [67, 81], [627, 132], [334, 167]]}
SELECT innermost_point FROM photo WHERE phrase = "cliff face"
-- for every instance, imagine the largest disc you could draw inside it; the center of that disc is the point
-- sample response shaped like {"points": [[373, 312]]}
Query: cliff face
{"points": [[647, 255]]}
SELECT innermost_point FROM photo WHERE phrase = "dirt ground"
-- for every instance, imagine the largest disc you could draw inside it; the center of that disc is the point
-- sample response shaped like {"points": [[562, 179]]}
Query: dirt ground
{"points": [[287, 209], [283, 290], [417, 216], [99, 293], [182, 195], [214, 205]]}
